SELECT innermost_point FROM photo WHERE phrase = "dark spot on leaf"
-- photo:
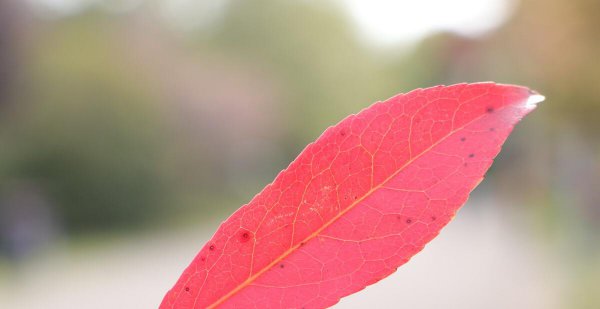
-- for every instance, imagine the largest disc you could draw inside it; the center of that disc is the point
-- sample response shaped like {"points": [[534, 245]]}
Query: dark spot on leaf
{"points": [[471, 155], [489, 109], [302, 244], [343, 133], [281, 266], [408, 221], [492, 129], [355, 197], [465, 164], [187, 288], [202, 259], [211, 248], [433, 218], [245, 236], [462, 139]]}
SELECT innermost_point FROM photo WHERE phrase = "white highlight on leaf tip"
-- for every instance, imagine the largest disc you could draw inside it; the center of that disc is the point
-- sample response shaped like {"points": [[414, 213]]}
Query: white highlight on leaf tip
{"points": [[534, 99]]}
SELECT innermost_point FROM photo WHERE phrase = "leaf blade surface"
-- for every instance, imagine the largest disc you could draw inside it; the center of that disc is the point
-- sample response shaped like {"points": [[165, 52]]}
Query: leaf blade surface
{"points": [[357, 203]]}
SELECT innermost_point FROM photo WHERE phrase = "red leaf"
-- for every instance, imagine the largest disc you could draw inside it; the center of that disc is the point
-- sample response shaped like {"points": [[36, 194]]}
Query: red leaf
{"points": [[357, 203]]}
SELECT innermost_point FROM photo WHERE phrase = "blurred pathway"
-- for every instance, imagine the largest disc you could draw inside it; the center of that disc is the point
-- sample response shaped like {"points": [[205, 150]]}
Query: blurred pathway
{"points": [[483, 259]]}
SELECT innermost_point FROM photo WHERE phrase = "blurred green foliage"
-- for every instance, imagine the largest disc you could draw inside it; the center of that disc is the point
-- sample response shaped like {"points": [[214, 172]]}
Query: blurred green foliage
{"points": [[323, 70], [86, 130]]}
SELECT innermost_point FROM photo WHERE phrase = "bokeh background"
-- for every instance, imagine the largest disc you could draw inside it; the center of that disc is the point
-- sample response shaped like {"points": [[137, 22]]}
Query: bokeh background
{"points": [[129, 129]]}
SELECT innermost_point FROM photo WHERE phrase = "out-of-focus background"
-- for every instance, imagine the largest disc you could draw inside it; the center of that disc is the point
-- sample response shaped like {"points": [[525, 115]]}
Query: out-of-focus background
{"points": [[129, 129]]}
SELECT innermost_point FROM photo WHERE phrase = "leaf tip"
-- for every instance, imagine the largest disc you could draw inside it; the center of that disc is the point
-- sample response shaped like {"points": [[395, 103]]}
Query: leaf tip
{"points": [[533, 99]]}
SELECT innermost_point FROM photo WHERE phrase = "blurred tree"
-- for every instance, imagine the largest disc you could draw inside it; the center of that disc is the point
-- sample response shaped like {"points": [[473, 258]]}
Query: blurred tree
{"points": [[88, 132], [324, 70]]}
